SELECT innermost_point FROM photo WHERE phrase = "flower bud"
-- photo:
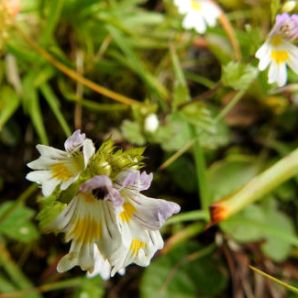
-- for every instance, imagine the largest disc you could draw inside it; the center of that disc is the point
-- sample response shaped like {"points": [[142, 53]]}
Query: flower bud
{"points": [[151, 123]]}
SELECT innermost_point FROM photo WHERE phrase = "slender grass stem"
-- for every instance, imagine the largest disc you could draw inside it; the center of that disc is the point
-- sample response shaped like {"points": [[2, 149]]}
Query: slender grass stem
{"points": [[76, 76], [274, 279], [230, 105], [15, 274]]}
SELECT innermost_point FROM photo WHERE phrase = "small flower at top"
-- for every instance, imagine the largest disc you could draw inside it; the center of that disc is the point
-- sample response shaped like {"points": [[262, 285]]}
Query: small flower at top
{"points": [[57, 167], [278, 52], [198, 14]]}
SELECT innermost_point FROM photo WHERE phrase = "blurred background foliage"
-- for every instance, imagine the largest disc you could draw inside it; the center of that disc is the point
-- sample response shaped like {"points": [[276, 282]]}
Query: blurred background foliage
{"points": [[107, 66]]}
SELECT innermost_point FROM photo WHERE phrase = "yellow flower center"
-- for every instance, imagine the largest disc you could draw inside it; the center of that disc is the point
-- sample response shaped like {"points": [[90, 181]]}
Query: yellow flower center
{"points": [[128, 212], [61, 171], [67, 169], [195, 5], [279, 56], [85, 230], [276, 40], [136, 245]]}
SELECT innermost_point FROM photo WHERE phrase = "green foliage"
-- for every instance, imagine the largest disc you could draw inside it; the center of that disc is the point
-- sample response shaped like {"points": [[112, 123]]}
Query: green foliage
{"points": [[50, 209], [9, 102], [238, 76], [16, 222], [139, 50], [230, 174], [174, 275], [264, 222], [90, 288]]}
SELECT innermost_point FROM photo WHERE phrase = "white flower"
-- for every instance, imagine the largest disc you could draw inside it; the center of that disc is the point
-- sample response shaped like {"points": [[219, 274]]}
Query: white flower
{"points": [[151, 123], [278, 52], [89, 222], [111, 226], [140, 219], [198, 14], [57, 167]]}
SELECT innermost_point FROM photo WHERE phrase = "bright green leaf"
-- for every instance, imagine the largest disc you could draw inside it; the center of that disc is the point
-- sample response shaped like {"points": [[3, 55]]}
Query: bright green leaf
{"points": [[238, 76], [16, 222]]}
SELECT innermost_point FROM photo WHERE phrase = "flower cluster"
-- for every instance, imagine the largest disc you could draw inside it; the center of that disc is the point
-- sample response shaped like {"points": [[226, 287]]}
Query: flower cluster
{"points": [[278, 52], [109, 223], [198, 14]]}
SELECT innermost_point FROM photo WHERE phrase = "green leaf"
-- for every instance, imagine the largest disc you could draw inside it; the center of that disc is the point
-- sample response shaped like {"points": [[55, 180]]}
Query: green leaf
{"points": [[174, 134], [31, 102], [173, 276], [275, 4], [276, 248], [238, 76], [180, 169], [90, 288], [256, 223], [55, 107], [9, 102], [199, 116], [230, 174], [16, 222], [132, 131]]}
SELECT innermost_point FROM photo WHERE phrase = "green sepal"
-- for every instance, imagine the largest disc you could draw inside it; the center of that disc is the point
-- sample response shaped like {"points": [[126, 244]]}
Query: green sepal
{"points": [[50, 209]]}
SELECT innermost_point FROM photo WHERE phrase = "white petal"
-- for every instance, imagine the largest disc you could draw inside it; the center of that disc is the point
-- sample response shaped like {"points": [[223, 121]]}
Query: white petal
{"points": [[67, 183], [88, 151], [49, 186], [189, 21], [141, 248], [71, 259], [151, 213], [293, 58], [183, 6], [264, 51], [211, 12], [110, 244], [51, 152], [282, 75], [200, 25], [38, 176], [42, 163], [101, 266]]}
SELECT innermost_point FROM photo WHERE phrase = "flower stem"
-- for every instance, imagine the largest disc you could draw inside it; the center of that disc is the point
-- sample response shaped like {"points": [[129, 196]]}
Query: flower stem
{"points": [[256, 188], [200, 165], [289, 287], [230, 105]]}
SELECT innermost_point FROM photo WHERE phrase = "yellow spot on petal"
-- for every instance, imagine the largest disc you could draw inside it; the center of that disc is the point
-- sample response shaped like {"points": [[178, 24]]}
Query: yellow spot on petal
{"points": [[61, 171], [195, 5], [279, 56], [127, 213], [85, 230], [88, 197], [276, 40], [135, 246]]}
